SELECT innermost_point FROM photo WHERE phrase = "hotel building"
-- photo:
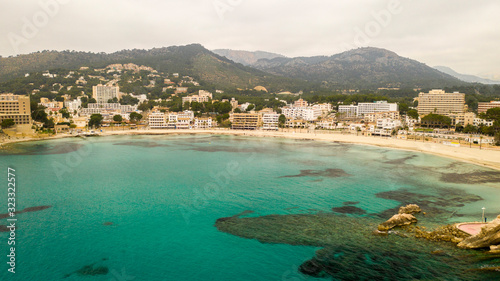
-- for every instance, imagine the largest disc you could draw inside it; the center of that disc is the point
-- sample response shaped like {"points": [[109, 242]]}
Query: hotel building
{"points": [[482, 107], [245, 121], [102, 94], [15, 107], [440, 102]]}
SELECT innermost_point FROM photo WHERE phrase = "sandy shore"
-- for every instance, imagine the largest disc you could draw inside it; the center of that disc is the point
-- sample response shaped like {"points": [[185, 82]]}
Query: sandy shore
{"points": [[485, 157]]}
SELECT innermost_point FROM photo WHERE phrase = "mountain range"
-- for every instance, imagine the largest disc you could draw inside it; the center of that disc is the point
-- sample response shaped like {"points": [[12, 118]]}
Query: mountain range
{"points": [[465, 77], [363, 68]]}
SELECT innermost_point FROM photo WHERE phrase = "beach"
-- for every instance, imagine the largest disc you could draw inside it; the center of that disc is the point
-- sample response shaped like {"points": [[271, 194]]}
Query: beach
{"points": [[489, 157]]}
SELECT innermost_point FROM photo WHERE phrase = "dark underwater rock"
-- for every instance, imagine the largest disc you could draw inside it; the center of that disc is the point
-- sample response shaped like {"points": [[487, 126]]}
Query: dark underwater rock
{"points": [[347, 203], [349, 210], [472, 178], [328, 173], [27, 210]]}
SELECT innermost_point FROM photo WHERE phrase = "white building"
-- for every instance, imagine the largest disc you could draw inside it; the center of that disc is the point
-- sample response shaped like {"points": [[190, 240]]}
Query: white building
{"points": [[171, 120], [203, 96], [203, 123], [270, 121], [305, 113], [378, 106], [478, 122], [73, 105], [104, 93], [348, 110], [142, 98], [157, 120], [386, 126]]}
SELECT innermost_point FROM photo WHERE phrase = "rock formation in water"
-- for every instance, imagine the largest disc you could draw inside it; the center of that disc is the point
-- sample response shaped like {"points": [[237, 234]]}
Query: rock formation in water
{"points": [[410, 209], [403, 217], [397, 220], [489, 235]]}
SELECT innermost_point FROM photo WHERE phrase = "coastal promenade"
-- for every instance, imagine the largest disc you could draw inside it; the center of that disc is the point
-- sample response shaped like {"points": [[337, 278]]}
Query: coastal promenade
{"points": [[485, 157]]}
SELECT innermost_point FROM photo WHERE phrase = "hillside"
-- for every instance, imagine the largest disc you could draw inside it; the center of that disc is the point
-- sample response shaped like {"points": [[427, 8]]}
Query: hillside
{"points": [[360, 68], [245, 57], [193, 60], [465, 77], [364, 68]]}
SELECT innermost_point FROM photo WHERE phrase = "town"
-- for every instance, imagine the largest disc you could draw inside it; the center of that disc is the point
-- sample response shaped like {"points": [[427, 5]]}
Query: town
{"points": [[132, 97]]}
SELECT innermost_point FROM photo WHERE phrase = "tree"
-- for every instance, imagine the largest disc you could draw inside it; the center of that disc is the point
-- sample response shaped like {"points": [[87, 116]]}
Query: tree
{"points": [[7, 123], [64, 112], [117, 118], [135, 117], [250, 107], [128, 99], [413, 113], [433, 120], [470, 129], [237, 110], [493, 113], [95, 120], [282, 121]]}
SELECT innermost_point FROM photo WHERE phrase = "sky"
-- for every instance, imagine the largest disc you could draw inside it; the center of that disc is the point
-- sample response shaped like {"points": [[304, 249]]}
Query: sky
{"points": [[461, 34]]}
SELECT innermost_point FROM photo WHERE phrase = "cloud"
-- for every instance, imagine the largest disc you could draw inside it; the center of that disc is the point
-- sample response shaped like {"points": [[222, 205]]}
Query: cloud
{"points": [[460, 34]]}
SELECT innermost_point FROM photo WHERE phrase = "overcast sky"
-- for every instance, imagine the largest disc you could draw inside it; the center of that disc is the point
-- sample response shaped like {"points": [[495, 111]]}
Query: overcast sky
{"points": [[464, 35]]}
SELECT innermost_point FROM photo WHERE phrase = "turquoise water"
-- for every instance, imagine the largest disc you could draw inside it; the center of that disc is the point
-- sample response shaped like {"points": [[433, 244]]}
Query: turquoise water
{"points": [[145, 207]]}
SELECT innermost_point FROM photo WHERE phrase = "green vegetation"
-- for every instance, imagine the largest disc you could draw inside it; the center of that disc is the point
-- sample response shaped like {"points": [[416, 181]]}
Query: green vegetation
{"points": [[281, 121], [135, 117], [436, 120], [117, 118], [95, 121], [7, 123], [413, 113]]}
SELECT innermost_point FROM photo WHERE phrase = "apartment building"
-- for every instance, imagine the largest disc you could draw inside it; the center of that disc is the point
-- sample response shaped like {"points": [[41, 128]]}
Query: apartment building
{"points": [[245, 121], [15, 107], [300, 103], [270, 121], [102, 108], [202, 96], [102, 94], [348, 111], [373, 117], [378, 106], [204, 123], [440, 102], [482, 107], [171, 120]]}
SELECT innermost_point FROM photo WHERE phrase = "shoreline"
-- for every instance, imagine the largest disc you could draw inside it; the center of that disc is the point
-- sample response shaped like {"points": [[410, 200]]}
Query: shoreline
{"points": [[486, 157]]}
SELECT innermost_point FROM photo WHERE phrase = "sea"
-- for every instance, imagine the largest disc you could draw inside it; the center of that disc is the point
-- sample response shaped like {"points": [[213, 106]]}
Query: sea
{"points": [[125, 208]]}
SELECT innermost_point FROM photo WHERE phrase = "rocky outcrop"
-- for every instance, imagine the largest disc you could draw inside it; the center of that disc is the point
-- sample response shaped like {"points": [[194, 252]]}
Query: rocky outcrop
{"points": [[410, 209], [489, 235], [403, 217], [397, 220]]}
